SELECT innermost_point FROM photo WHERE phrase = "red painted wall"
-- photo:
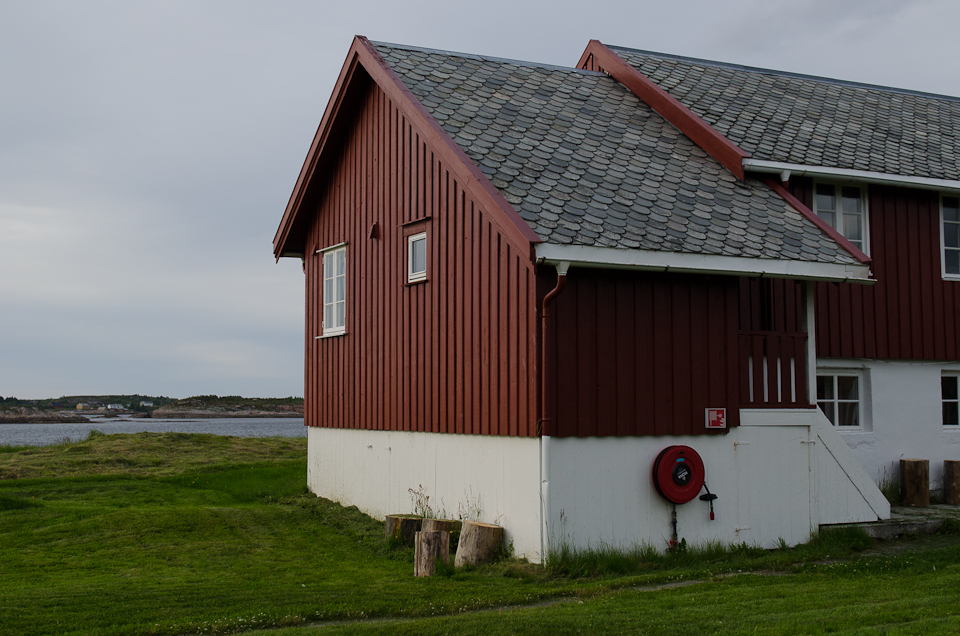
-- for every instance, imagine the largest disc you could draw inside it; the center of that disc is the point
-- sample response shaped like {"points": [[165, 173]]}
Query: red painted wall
{"points": [[642, 353], [454, 354], [911, 313]]}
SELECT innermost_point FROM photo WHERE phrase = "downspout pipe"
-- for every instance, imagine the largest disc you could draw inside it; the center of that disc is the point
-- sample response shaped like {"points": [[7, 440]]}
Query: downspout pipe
{"points": [[548, 377]]}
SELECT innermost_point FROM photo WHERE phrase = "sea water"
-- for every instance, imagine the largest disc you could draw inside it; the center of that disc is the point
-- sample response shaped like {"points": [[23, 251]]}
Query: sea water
{"points": [[43, 434]]}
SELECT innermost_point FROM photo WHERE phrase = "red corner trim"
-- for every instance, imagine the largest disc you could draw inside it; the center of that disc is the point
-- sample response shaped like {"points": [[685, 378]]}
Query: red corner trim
{"points": [[473, 179], [816, 220], [700, 132]]}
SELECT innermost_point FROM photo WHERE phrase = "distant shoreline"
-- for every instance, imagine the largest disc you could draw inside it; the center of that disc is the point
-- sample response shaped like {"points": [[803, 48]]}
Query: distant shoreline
{"points": [[62, 417], [215, 415]]}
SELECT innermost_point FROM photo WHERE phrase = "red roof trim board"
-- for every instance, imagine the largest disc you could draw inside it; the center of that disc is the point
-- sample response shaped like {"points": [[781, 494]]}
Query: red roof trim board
{"points": [[316, 148], [700, 132], [473, 180], [816, 220]]}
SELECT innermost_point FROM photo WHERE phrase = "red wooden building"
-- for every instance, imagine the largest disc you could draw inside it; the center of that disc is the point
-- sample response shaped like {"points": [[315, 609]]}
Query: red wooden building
{"points": [[882, 165], [523, 282]]}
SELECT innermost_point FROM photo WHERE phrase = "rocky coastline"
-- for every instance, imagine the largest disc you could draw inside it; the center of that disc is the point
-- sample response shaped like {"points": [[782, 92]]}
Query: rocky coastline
{"points": [[176, 412], [31, 415]]}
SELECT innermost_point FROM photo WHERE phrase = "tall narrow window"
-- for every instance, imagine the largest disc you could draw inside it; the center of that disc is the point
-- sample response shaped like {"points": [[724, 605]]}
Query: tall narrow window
{"points": [[951, 401], [842, 207], [417, 257], [951, 236], [334, 291], [838, 396]]}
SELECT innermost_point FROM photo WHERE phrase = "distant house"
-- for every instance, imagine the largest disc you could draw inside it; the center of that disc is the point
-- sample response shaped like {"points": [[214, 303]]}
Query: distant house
{"points": [[115, 407], [83, 406], [146, 403], [525, 283]]}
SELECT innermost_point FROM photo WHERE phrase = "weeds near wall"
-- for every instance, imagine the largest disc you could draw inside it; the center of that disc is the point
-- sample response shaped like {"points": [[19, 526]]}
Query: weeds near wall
{"points": [[470, 509], [890, 486], [421, 503]]}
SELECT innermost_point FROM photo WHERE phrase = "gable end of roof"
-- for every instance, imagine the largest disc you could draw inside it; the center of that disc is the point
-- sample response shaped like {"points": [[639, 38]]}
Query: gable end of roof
{"points": [[364, 54]]}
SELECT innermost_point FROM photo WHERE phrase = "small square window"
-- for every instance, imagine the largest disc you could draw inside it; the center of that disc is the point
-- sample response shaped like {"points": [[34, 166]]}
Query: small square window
{"points": [[838, 396], [842, 207], [951, 404], [417, 257]]}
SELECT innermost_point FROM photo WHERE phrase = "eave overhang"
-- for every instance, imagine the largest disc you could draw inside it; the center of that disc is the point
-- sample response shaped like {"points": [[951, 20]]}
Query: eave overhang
{"points": [[846, 174], [655, 261]]}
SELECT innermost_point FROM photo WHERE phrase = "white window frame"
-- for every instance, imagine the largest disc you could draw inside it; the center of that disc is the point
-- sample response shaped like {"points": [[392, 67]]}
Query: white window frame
{"points": [[865, 213], [329, 255], [416, 276], [943, 243], [836, 401], [943, 401]]}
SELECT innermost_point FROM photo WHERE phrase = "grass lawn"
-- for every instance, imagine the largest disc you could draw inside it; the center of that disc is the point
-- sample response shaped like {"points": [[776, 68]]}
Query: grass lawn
{"points": [[174, 533]]}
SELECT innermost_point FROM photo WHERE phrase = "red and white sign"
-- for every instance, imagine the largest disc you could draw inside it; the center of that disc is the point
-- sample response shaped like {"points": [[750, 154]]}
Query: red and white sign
{"points": [[716, 418]]}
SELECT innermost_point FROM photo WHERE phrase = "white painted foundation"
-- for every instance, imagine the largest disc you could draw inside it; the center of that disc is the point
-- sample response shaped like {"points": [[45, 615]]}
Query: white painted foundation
{"points": [[375, 470], [902, 416], [592, 492], [601, 492]]}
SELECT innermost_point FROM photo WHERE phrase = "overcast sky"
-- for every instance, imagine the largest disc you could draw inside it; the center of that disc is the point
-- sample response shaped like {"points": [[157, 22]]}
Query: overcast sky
{"points": [[148, 149]]}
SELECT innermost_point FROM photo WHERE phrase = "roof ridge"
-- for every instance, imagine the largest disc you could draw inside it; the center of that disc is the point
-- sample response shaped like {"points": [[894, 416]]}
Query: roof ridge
{"points": [[488, 58], [791, 74]]}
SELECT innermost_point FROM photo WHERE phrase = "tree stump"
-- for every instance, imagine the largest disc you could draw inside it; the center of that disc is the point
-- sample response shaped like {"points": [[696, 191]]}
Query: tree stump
{"points": [[436, 525], [431, 546], [915, 483], [403, 527], [446, 525], [479, 543], [951, 482]]}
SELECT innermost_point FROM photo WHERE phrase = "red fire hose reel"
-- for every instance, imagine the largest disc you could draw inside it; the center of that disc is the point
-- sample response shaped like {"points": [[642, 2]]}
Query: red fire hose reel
{"points": [[678, 474]]}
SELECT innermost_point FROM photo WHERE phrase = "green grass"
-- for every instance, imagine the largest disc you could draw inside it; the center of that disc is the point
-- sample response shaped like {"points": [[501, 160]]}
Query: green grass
{"points": [[142, 454], [175, 534]]}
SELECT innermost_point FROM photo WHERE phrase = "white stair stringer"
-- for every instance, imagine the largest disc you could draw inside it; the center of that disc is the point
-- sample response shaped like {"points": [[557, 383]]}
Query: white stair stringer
{"points": [[843, 492]]}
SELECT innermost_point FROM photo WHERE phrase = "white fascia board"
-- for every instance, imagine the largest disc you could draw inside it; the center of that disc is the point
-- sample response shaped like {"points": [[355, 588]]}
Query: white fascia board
{"points": [[645, 260], [864, 176]]}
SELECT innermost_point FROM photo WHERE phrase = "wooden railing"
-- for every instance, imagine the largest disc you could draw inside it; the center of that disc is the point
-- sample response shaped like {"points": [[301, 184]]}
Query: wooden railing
{"points": [[773, 369]]}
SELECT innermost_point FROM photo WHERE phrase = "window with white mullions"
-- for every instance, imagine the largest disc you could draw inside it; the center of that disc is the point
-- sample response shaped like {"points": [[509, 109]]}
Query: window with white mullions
{"points": [[417, 257], [838, 396], [951, 400], [334, 291], [950, 236], [843, 209]]}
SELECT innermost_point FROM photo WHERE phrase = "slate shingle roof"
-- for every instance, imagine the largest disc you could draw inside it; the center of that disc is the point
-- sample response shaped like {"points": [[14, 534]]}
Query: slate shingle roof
{"points": [[800, 119], [584, 162]]}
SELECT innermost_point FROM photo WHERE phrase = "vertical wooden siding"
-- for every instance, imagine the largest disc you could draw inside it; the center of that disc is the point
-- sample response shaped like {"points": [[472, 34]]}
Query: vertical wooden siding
{"points": [[642, 354], [454, 354], [911, 313]]}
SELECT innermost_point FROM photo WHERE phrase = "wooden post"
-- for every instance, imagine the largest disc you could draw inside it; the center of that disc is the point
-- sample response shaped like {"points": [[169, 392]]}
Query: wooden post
{"points": [[915, 483], [951, 482], [479, 543], [404, 527], [430, 546]]}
